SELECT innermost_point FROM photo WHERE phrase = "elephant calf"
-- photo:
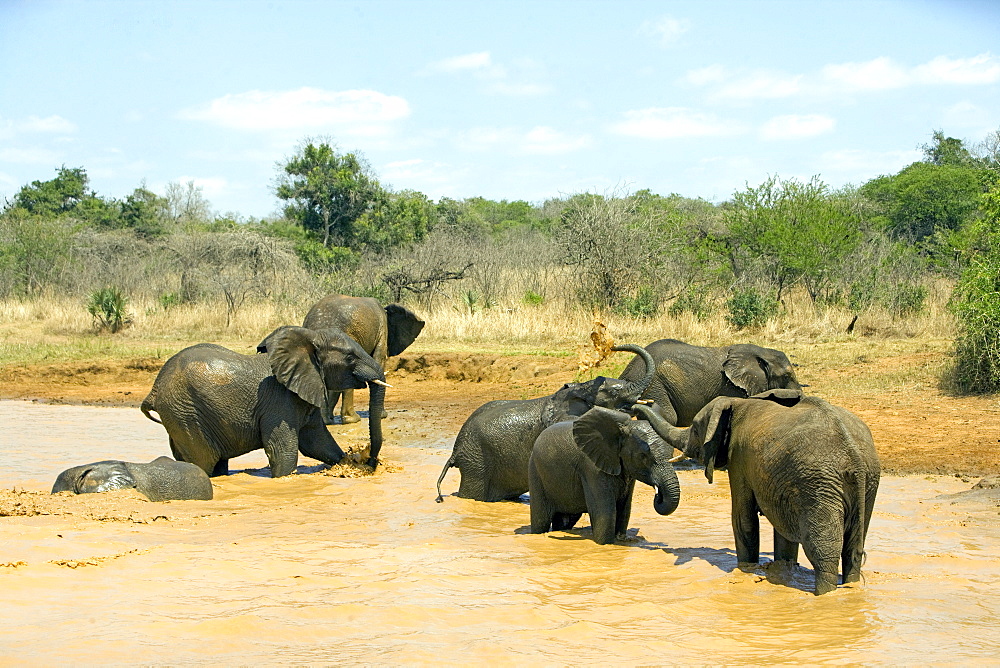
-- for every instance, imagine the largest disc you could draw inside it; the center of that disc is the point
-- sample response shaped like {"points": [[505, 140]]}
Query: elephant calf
{"points": [[809, 467], [162, 479], [590, 465]]}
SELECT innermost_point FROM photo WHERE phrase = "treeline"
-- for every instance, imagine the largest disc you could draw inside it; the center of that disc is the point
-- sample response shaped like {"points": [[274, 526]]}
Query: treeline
{"points": [[637, 253]]}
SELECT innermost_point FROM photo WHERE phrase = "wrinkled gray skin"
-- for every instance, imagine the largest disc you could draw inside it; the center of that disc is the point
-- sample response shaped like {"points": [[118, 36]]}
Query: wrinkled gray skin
{"points": [[493, 446], [162, 479], [809, 467], [381, 332], [590, 465], [216, 404], [688, 377]]}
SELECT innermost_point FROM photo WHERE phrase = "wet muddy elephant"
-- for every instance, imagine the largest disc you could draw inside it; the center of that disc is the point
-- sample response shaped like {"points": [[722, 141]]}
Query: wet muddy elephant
{"points": [[162, 479], [590, 465], [688, 377], [493, 446], [381, 332], [216, 403], [809, 467]]}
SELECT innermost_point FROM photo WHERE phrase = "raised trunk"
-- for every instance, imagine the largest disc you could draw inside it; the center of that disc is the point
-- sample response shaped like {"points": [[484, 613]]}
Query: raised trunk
{"points": [[675, 437], [635, 389]]}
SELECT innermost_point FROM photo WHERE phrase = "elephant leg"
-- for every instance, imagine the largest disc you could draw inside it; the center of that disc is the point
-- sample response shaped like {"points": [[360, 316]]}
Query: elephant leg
{"points": [[825, 563], [565, 521], [601, 507], [331, 403], [316, 441], [347, 413], [541, 510], [746, 525], [623, 512], [221, 468], [784, 549]]}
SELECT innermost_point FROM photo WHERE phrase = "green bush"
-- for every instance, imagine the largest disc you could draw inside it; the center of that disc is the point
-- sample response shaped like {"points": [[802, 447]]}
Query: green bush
{"points": [[532, 298], [169, 299], [749, 308], [643, 304], [906, 300], [695, 303], [109, 308]]}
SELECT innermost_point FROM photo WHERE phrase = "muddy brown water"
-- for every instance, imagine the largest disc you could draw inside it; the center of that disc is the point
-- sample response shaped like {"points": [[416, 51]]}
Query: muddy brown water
{"points": [[318, 569]]}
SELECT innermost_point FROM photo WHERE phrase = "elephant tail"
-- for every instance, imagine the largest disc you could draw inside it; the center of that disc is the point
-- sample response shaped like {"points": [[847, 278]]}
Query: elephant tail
{"points": [[147, 406], [447, 465]]}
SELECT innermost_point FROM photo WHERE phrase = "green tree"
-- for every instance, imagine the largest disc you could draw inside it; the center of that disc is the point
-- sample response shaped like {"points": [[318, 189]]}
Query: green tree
{"points": [[783, 232], [327, 192], [947, 151], [144, 212], [395, 219], [56, 196]]}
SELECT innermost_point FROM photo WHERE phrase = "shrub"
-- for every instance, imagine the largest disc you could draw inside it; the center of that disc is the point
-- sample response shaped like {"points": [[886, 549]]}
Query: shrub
{"points": [[169, 299], [695, 303], [532, 298], [643, 304], [906, 300], [749, 308], [109, 308]]}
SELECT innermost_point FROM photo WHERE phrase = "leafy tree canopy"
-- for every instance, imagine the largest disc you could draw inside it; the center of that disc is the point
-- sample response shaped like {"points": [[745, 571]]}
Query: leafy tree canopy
{"points": [[57, 196]]}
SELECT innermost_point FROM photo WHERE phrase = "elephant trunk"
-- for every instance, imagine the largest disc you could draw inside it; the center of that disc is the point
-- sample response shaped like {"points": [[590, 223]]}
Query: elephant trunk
{"points": [[668, 489], [675, 437], [372, 374], [635, 389]]}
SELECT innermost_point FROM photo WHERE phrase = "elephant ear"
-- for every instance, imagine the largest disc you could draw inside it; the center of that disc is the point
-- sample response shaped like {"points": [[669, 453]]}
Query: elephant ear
{"points": [[262, 347], [110, 476], [781, 396], [598, 432], [404, 327], [745, 369], [294, 362], [714, 437]]}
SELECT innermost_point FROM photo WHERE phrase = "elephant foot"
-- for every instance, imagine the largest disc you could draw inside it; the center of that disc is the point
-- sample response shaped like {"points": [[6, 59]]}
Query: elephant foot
{"points": [[350, 419], [372, 462]]}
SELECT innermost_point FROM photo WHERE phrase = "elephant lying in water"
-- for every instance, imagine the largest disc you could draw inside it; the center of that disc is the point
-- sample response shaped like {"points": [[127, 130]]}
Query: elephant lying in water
{"points": [[162, 479], [807, 466], [493, 446], [590, 465]]}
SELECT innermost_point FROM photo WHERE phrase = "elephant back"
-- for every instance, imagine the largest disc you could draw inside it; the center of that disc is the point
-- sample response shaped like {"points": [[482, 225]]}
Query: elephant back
{"points": [[361, 318]]}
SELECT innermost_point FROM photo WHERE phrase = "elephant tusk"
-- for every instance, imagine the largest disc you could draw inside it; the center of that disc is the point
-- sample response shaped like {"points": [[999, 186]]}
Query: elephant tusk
{"points": [[381, 382], [679, 458]]}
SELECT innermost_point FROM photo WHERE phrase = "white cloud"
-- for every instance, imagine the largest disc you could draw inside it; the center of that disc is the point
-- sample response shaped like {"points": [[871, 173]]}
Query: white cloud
{"points": [[54, 125], [364, 112], [797, 127], [666, 29], [673, 123], [966, 114], [758, 85], [978, 70], [540, 140], [29, 156], [877, 74], [704, 76], [463, 63]]}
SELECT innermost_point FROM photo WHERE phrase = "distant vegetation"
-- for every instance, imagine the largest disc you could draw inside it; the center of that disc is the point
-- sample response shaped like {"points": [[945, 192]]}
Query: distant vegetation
{"points": [[877, 249]]}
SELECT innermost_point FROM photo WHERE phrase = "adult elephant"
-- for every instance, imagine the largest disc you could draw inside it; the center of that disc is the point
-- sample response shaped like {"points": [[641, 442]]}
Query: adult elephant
{"points": [[688, 377], [381, 332], [590, 465], [162, 479], [216, 403], [493, 446], [809, 467]]}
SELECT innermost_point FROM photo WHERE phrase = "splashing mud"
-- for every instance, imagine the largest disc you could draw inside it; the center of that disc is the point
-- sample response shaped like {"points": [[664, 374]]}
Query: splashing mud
{"points": [[317, 568]]}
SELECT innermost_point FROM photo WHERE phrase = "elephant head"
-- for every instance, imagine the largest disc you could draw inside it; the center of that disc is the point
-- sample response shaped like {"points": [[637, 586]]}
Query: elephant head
{"points": [[404, 327], [311, 362], [92, 478], [754, 369], [575, 399], [619, 445], [708, 437]]}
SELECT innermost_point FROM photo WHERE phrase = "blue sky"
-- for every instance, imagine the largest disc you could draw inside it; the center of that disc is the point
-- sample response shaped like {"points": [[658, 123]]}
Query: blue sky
{"points": [[507, 100]]}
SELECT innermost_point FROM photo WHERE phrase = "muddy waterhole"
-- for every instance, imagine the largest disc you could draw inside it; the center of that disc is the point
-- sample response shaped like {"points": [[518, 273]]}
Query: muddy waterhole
{"points": [[315, 568]]}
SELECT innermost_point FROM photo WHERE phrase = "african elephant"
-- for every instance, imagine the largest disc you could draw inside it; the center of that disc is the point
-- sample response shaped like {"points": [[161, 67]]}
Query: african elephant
{"points": [[216, 403], [590, 465], [381, 332], [688, 377], [809, 467], [162, 479], [493, 446]]}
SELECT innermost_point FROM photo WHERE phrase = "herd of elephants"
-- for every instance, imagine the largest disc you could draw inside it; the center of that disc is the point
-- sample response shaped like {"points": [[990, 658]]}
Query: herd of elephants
{"points": [[809, 467]]}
